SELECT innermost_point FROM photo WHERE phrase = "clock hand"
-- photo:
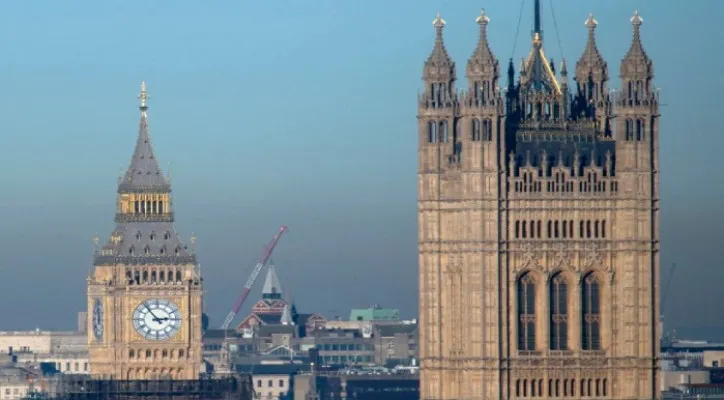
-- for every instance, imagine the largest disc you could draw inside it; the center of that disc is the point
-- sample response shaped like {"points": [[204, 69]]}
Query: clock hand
{"points": [[155, 318]]}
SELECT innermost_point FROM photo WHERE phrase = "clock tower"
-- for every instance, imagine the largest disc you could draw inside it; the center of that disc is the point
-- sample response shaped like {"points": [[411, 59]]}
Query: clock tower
{"points": [[145, 291]]}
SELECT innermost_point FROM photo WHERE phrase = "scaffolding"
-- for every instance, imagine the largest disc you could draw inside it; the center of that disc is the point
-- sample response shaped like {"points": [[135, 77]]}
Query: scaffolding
{"points": [[234, 386]]}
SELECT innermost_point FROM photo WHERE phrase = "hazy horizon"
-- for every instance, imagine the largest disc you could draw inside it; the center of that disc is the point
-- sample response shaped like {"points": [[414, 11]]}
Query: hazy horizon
{"points": [[303, 115]]}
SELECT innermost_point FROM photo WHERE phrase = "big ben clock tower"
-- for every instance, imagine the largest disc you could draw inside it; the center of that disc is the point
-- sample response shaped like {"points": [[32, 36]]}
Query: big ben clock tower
{"points": [[145, 292]]}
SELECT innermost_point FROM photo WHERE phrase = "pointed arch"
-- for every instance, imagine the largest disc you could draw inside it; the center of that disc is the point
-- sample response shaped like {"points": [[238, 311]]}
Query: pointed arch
{"points": [[591, 312], [526, 292], [558, 297], [487, 130], [443, 132], [432, 132], [477, 135], [629, 129]]}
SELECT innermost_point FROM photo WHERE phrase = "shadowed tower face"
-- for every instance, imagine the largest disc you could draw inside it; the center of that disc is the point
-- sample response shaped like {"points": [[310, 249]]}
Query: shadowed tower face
{"points": [[144, 293], [538, 225]]}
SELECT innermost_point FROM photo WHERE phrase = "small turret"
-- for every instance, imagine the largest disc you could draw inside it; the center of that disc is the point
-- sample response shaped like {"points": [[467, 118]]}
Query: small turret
{"points": [[482, 69], [439, 71], [637, 69]]}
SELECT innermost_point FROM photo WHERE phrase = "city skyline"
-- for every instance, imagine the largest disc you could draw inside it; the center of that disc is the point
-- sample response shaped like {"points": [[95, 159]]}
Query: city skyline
{"points": [[237, 211]]}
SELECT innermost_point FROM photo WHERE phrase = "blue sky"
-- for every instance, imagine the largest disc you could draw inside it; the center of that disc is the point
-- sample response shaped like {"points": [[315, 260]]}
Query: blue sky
{"points": [[299, 113]]}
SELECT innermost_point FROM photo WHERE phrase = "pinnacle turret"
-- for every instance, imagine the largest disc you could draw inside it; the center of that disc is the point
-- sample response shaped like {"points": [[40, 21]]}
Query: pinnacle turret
{"points": [[439, 66], [637, 62], [483, 63], [591, 63]]}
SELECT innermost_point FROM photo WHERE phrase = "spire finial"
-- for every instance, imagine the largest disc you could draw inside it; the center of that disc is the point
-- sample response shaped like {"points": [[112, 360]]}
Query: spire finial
{"points": [[143, 96], [591, 22], [636, 20], [483, 18], [536, 21], [438, 22]]}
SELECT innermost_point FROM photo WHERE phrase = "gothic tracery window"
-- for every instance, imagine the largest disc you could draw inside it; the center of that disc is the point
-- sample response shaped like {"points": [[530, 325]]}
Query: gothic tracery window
{"points": [[559, 312], [591, 310], [526, 312]]}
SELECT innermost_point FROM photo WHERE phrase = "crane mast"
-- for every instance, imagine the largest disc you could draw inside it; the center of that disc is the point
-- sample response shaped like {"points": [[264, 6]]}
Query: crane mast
{"points": [[265, 255]]}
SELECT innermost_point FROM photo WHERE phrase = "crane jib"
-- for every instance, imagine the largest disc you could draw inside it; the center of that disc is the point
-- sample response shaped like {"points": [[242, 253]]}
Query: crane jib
{"points": [[268, 250]]}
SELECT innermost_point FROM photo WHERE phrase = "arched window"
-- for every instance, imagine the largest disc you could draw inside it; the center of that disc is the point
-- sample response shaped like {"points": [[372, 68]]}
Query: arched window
{"points": [[526, 312], [641, 130], [559, 312], [595, 230], [591, 310], [517, 229], [443, 131], [570, 228], [550, 229], [487, 130], [477, 136], [432, 132], [629, 130], [532, 229]]}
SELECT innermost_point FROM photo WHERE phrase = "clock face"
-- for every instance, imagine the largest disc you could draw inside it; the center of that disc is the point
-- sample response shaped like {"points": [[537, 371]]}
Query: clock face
{"points": [[157, 319], [98, 319]]}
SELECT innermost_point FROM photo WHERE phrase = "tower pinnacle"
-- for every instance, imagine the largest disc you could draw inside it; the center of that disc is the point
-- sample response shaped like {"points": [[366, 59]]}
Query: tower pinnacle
{"points": [[438, 23], [636, 20], [591, 22], [143, 96], [483, 19]]}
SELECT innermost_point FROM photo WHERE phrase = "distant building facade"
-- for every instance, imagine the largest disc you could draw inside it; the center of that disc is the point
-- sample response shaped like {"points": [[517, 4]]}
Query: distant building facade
{"points": [[538, 226], [374, 313]]}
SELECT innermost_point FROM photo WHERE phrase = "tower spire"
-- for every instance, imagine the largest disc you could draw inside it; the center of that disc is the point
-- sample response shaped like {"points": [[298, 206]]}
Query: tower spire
{"points": [[144, 173], [591, 74], [537, 71], [483, 70], [636, 51], [271, 289], [439, 66]]}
